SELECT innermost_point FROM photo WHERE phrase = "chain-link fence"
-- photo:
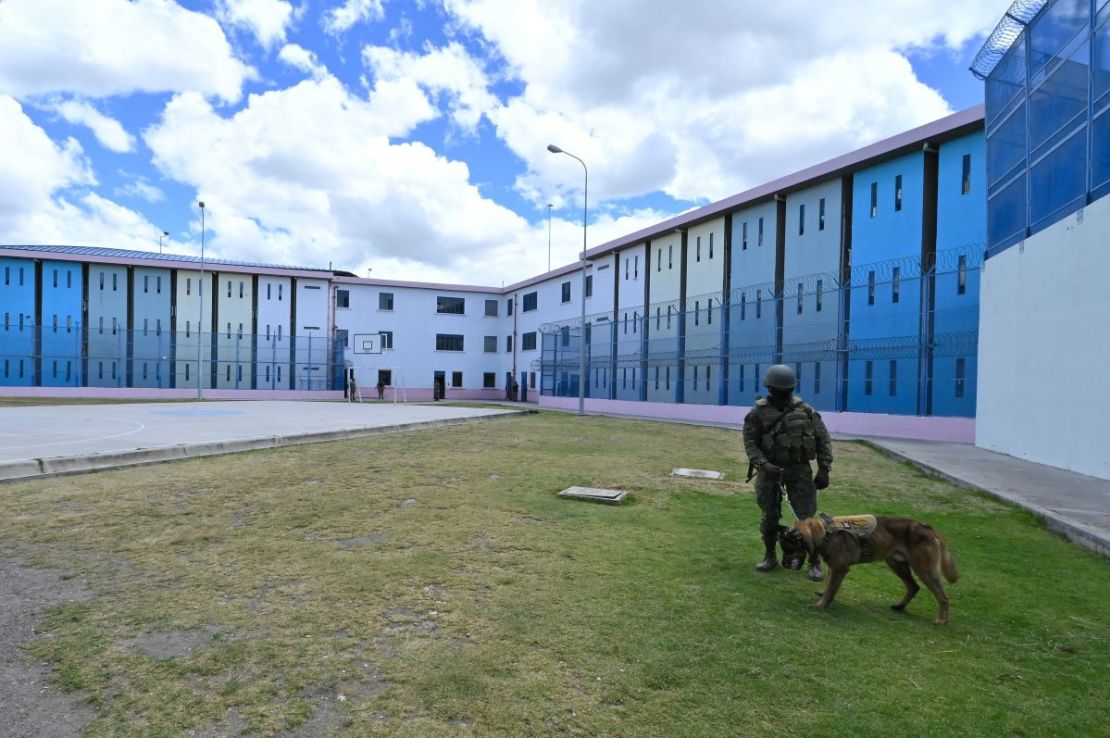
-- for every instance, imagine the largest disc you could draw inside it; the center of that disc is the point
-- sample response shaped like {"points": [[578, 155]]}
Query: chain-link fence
{"points": [[73, 355], [896, 339]]}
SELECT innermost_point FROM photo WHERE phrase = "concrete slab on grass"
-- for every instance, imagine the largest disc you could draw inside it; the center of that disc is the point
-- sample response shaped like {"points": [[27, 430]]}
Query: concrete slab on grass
{"points": [[697, 473], [593, 494]]}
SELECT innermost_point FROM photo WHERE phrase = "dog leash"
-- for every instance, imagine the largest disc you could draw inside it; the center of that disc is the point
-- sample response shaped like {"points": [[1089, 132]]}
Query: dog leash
{"points": [[784, 496]]}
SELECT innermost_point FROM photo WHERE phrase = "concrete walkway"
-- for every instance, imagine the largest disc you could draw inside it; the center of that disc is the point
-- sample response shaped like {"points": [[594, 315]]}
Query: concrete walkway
{"points": [[1073, 505], [44, 440]]}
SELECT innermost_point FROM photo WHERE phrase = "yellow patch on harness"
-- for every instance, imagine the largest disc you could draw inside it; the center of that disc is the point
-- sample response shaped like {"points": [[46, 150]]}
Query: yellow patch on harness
{"points": [[860, 525]]}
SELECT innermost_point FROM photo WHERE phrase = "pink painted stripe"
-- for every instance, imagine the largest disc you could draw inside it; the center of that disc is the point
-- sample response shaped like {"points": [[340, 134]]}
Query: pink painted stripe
{"points": [[954, 430], [151, 393]]}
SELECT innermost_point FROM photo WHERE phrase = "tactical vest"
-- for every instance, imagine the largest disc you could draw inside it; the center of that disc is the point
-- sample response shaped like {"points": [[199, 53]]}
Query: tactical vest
{"points": [[792, 437], [860, 526]]}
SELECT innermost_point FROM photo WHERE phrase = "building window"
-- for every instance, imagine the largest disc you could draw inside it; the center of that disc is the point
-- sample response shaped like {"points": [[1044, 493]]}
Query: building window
{"points": [[867, 376], [188, 286], [741, 377], [509, 306], [960, 369], [489, 380], [627, 261], [893, 378], [450, 305], [898, 192], [895, 284], [801, 296], [281, 285], [158, 285], [801, 219], [743, 305], [965, 179], [528, 341], [449, 342], [240, 297], [529, 302], [229, 295], [758, 304], [387, 338], [871, 288], [759, 236], [961, 277], [657, 378], [744, 236], [695, 379], [456, 379], [659, 259], [874, 199], [709, 311], [491, 308], [508, 344], [798, 374], [821, 214], [636, 267], [710, 245], [667, 377], [565, 290], [589, 285], [489, 344], [385, 299], [635, 320], [658, 317], [342, 298], [698, 249], [817, 377], [564, 335], [670, 256], [668, 317], [820, 294]]}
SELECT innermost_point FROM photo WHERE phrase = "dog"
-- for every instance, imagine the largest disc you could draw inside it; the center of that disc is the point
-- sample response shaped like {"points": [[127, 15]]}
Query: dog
{"points": [[909, 547]]}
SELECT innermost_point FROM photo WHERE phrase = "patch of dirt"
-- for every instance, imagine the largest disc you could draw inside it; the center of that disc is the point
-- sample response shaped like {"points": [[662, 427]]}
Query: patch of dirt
{"points": [[370, 539], [29, 706], [173, 643], [234, 725]]}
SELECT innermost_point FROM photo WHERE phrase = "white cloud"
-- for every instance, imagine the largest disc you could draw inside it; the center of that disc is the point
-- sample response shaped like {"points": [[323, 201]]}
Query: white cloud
{"points": [[140, 188], [108, 131], [100, 48], [340, 18], [44, 195], [266, 19], [449, 72], [303, 59], [307, 175], [703, 99]]}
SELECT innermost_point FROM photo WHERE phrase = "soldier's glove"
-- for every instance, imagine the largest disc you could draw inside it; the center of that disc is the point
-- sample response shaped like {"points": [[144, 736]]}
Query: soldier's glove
{"points": [[821, 479], [770, 471]]}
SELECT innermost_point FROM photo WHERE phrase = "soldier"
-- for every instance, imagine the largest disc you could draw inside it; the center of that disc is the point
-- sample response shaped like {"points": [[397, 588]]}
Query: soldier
{"points": [[781, 435]]}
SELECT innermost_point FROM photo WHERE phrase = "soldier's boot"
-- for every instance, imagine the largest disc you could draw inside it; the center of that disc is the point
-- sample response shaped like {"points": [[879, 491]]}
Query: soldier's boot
{"points": [[769, 561]]}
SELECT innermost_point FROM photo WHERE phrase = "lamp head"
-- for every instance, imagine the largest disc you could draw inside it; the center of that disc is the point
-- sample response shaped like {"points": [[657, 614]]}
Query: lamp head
{"points": [[554, 149], [201, 203]]}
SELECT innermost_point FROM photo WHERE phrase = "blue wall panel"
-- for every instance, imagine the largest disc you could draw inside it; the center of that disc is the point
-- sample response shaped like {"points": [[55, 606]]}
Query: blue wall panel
{"points": [[106, 338], [62, 291], [151, 334], [17, 332]]}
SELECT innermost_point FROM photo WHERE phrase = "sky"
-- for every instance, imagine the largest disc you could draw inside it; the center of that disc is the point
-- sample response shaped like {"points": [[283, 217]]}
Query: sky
{"points": [[409, 137]]}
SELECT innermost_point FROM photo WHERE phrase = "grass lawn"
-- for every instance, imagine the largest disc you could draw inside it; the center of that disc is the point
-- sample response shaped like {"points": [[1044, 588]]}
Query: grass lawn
{"points": [[430, 583]]}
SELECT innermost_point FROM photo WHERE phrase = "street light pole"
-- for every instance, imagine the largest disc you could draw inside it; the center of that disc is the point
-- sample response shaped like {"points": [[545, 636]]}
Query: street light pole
{"points": [[582, 342], [549, 237], [164, 233], [200, 295]]}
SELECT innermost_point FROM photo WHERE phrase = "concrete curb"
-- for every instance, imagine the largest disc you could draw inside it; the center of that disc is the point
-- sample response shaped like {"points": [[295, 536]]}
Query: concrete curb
{"points": [[64, 465], [1076, 532]]}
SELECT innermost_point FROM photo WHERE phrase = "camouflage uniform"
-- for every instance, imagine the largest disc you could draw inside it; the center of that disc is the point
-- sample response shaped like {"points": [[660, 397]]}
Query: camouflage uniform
{"points": [[787, 438]]}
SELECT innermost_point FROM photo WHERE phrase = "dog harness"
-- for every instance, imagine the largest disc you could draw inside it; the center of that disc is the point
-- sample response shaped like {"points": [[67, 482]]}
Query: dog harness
{"points": [[860, 526]]}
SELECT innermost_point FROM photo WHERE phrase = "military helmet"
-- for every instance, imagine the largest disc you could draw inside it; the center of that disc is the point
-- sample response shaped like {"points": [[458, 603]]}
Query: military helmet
{"points": [[780, 377]]}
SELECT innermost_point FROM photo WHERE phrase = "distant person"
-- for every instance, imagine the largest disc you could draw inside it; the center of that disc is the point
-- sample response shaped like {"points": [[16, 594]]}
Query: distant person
{"points": [[516, 391], [437, 389], [352, 385], [782, 434], [381, 389]]}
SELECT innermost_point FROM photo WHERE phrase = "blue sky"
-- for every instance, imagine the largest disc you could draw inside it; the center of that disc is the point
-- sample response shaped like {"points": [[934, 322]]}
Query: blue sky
{"points": [[409, 137]]}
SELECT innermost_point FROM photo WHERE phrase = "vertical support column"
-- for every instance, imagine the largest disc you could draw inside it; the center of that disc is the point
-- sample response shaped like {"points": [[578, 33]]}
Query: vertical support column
{"points": [[680, 379], [780, 267], [844, 301], [928, 280], [129, 355], [613, 340], [645, 325], [726, 313]]}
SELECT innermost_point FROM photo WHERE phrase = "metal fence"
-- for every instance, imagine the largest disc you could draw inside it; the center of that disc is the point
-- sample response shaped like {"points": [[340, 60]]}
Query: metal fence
{"points": [[896, 338], [73, 355]]}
